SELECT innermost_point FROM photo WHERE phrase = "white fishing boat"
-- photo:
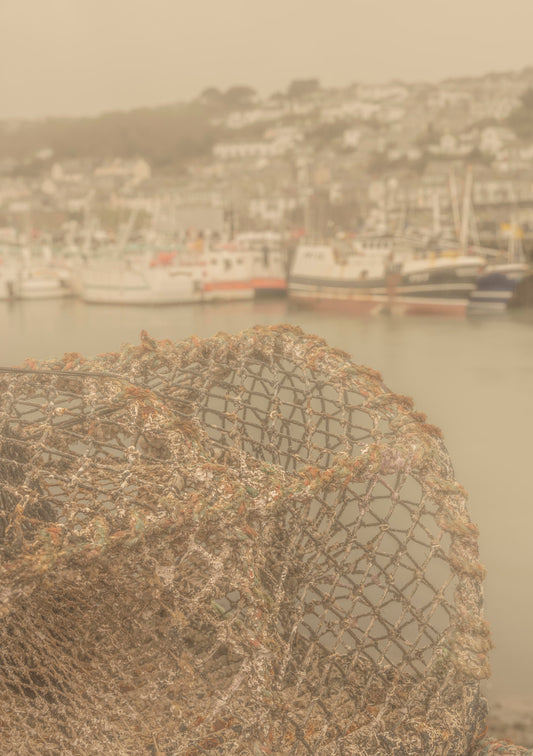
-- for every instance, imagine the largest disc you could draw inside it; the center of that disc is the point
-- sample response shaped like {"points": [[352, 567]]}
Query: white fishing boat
{"points": [[403, 280], [132, 282], [166, 278], [40, 276], [42, 283]]}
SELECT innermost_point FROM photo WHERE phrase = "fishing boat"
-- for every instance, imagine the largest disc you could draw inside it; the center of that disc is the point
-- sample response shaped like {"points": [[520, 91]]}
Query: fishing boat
{"points": [[400, 280], [39, 276], [166, 278], [496, 286], [42, 282], [132, 282]]}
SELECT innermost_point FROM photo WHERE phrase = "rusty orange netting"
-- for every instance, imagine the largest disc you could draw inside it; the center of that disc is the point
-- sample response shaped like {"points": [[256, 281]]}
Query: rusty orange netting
{"points": [[237, 545]]}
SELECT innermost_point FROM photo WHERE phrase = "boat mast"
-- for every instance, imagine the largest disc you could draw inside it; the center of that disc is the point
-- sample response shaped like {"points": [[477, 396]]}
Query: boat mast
{"points": [[515, 251], [125, 236], [436, 214], [465, 216], [454, 204]]}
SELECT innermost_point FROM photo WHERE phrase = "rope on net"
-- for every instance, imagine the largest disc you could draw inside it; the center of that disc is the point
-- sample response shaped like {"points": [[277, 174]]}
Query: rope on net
{"points": [[237, 545]]}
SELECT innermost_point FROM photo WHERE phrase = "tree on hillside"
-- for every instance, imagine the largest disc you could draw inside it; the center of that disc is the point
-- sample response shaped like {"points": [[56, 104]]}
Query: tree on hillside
{"points": [[302, 87], [430, 135], [239, 96], [521, 118], [325, 134], [167, 136], [527, 98], [210, 95]]}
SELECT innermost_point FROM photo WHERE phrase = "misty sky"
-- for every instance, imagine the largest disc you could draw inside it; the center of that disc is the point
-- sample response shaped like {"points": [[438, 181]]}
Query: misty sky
{"points": [[84, 57]]}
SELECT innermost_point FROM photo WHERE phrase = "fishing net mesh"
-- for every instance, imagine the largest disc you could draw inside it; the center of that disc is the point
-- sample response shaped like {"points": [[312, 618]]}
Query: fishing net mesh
{"points": [[244, 544]]}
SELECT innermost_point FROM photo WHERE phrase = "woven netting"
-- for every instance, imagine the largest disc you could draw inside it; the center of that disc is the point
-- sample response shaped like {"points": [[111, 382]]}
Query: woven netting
{"points": [[237, 545]]}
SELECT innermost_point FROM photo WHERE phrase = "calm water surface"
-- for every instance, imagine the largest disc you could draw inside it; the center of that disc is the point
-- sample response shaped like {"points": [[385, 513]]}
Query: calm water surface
{"points": [[473, 377]]}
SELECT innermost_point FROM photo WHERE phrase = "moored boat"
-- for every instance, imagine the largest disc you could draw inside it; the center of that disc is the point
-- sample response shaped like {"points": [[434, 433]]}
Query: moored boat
{"points": [[166, 278], [498, 282], [39, 276], [42, 282], [124, 282], [402, 281], [496, 286]]}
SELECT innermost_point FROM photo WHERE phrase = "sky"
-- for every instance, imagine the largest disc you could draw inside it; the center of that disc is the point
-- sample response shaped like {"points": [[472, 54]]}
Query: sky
{"points": [[85, 57]]}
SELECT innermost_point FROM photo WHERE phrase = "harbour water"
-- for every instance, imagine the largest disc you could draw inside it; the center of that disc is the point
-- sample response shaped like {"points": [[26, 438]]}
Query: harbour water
{"points": [[473, 377]]}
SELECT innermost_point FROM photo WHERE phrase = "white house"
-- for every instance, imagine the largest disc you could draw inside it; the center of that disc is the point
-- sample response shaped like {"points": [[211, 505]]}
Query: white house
{"points": [[355, 109], [137, 170], [390, 114], [137, 202], [453, 145], [241, 118], [492, 191], [442, 98], [242, 150], [494, 138], [271, 209], [382, 92], [493, 106], [351, 138], [61, 174]]}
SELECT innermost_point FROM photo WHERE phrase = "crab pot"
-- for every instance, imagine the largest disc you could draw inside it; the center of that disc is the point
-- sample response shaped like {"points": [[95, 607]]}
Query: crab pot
{"points": [[245, 544]]}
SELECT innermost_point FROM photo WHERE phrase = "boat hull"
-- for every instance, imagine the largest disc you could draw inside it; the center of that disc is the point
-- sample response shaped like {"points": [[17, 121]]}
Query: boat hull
{"points": [[366, 285], [227, 290], [376, 301], [269, 287], [442, 298], [99, 295], [496, 287], [159, 286], [42, 290]]}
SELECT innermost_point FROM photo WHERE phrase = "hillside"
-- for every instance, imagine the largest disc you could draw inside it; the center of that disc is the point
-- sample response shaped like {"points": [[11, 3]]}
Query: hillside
{"points": [[165, 136], [169, 137]]}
